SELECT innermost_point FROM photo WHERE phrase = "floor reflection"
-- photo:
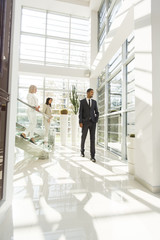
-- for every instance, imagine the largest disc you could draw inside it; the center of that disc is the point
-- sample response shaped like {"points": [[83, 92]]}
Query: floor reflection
{"points": [[69, 197]]}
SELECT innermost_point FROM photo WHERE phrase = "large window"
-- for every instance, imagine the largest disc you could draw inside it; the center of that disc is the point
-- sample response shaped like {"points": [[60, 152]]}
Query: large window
{"points": [[49, 38], [115, 93], [106, 16], [56, 88], [116, 87], [113, 12]]}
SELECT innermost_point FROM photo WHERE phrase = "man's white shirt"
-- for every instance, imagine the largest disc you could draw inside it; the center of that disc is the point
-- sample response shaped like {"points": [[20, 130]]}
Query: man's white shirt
{"points": [[87, 99]]}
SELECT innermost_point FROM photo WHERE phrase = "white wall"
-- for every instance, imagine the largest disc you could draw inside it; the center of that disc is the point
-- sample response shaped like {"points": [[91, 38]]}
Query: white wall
{"points": [[147, 90]]}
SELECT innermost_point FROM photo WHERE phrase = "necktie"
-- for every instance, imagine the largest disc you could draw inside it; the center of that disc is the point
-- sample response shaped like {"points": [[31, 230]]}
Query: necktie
{"points": [[89, 103]]}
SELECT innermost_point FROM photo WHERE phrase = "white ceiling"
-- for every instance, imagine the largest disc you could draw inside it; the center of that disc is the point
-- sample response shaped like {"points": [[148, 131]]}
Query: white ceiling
{"points": [[92, 4], [77, 2]]}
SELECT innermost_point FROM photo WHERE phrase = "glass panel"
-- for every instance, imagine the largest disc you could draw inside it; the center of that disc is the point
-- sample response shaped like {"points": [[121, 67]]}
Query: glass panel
{"points": [[130, 44], [102, 37], [115, 133], [115, 61], [115, 93], [32, 48], [130, 85], [130, 98], [113, 13], [56, 83], [79, 29], [101, 131], [102, 23], [109, 3], [57, 51], [102, 78], [33, 21], [60, 100], [57, 25], [26, 81], [131, 122], [81, 85], [101, 101], [79, 54], [102, 15]]}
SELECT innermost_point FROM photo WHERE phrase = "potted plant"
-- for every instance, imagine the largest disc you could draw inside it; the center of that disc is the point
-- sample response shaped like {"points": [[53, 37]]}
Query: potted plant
{"points": [[63, 126], [74, 117], [130, 152]]}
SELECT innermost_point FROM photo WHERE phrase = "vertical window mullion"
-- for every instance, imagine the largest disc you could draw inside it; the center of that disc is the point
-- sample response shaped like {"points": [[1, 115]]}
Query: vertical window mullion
{"points": [[124, 98], [69, 55], [45, 46]]}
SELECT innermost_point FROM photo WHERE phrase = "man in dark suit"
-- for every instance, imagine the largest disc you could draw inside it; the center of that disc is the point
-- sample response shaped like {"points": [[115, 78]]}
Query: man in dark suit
{"points": [[88, 117]]}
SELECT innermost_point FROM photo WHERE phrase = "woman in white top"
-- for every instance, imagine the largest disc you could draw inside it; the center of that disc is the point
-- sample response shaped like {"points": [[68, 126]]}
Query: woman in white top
{"points": [[33, 101], [47, 111]]}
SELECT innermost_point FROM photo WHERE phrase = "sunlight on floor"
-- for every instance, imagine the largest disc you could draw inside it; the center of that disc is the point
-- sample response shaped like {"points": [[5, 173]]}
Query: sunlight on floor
{"points": [[69, 197]]}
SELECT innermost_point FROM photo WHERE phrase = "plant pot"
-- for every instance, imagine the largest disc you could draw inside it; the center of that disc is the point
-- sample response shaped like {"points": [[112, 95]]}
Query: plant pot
{"points": [[74, 129], [63, 129], [130, 153]]}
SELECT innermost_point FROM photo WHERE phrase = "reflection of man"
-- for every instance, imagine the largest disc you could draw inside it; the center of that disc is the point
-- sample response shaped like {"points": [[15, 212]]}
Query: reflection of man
{"points": [[88, 117]]}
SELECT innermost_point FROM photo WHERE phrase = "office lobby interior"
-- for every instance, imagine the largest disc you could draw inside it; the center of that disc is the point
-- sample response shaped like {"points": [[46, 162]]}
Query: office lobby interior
{"points": [[48, 191]]}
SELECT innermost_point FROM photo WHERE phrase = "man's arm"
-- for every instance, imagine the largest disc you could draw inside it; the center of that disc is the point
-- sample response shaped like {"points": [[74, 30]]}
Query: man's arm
{"points": [[80, 115], [96, 112]]}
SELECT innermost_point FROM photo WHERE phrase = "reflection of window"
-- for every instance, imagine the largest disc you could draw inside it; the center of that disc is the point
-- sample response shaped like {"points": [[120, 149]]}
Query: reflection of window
{"points": [[50, 38], [114, 133], [115, 93]]}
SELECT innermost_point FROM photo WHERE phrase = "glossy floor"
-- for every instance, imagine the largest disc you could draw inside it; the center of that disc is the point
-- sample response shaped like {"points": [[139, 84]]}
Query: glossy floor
{"points": [[71, 198]]}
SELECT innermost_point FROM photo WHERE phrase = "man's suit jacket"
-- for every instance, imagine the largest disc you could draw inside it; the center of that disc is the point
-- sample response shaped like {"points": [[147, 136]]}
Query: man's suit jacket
{"points": [[86, 113]]}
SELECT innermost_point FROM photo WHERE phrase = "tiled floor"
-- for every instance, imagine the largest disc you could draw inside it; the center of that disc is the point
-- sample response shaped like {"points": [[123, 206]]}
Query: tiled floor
{"points": [[70, 198]]}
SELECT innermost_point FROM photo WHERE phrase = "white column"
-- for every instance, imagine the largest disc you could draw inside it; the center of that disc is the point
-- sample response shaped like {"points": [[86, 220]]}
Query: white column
{"points": [[147, 90]]}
